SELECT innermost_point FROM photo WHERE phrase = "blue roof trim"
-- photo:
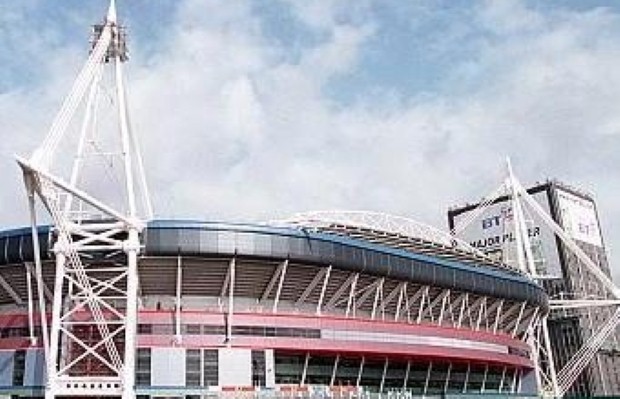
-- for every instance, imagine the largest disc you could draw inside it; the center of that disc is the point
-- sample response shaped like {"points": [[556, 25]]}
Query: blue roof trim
{"points": [[299, 233], [23, 231]]}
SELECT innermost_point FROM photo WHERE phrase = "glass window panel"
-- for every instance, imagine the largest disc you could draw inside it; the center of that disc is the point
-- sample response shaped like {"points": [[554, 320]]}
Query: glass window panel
{"points": [[417, 377], [19, 367], [372, 374], [143, 367], [192, 368], [395, 375], [210, 367], [457, 378], [347, 371], [289, 368], [258, 368], [320, 370]]}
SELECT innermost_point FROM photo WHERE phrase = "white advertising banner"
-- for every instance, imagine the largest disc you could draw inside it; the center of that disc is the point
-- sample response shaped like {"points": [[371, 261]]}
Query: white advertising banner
{"points": [[493, 233], [579, 219]]}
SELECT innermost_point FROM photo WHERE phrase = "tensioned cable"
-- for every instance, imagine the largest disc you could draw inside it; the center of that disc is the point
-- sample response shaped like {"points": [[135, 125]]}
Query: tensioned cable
{"points": [[478, 211], [45, 153]]}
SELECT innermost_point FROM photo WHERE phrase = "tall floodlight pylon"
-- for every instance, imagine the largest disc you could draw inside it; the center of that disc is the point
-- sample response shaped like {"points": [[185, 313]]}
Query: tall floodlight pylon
{"points": [[552, 381], [538, 337], [558, 383], [89, 340]]}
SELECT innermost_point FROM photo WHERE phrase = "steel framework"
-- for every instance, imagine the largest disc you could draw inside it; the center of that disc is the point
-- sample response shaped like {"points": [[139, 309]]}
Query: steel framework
{"points": [[381, 223], [553, 383], [90, 344]]}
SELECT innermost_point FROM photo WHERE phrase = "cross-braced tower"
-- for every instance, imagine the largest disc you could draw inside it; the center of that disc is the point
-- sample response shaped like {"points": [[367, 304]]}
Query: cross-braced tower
{"points": [[90, 342]]}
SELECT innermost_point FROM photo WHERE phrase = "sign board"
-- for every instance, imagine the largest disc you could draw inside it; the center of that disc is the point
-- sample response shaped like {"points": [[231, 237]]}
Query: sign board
{"points": [[579, 219], [493, 233]]}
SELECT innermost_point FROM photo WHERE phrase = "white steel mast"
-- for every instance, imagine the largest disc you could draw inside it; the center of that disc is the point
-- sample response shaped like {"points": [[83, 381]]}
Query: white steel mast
{"points": [[90, 344], [552, 382]]}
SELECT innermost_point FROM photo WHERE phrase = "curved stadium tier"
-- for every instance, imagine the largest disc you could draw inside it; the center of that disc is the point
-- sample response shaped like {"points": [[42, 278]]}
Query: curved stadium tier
{"points": [[292, 308]]}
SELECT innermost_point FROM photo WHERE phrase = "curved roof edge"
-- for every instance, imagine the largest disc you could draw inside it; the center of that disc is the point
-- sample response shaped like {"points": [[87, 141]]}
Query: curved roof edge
{"points": [[202, 238]]}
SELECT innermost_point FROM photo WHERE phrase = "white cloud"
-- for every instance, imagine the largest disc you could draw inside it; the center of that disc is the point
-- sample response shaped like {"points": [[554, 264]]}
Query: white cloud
{"points": [[233, 129]]}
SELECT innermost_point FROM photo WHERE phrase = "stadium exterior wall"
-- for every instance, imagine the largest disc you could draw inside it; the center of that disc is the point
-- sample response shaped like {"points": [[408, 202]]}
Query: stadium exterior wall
{"points": [[235, 307]]}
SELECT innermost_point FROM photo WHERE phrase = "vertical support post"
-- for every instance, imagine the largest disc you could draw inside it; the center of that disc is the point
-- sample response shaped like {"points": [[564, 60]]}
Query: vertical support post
{"points": [[483, 305], [361, 371], [466, 382], [351, 300], [513, 385], [304, 373], [464, 303], [36, 249], [518, 322], [484, 379], [131, 326], [497, 316], [448, 375], [428, 377], [550, 360], [50, 391], [280, 285], [378, 294], [385, 367], [443, 307], [177, 310], [333, 379], [407, 372], [526, 263], [319, 305], [33, 338], [501, 382], [231, 299], [401, 295], [423, 300]]}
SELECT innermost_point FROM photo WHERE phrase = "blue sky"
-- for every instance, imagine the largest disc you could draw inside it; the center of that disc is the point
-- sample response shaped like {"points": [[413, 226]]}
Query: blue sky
{"points": [[406, 107]]}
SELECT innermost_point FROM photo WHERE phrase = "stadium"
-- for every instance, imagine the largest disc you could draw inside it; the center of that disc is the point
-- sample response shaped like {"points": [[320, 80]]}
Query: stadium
{"points": [[327, 302], [98, 298]]}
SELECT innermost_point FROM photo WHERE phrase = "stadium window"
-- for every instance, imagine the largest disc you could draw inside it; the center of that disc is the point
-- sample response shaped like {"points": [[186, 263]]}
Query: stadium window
{"points": [[19, 367], [212, 330], [191, 329], [162, 329], [320, 370], [145, 329], [347, 371], [143, 366], [210, 367], [289, 368], [258, 368], [417, 377], [438, 377], [395, 375], [192, 368], [458, 374], [372, 374]]}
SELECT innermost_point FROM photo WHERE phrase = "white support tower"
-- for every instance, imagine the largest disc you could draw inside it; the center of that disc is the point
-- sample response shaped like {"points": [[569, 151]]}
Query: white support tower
{"points": [[90, 339], [552, 382]]}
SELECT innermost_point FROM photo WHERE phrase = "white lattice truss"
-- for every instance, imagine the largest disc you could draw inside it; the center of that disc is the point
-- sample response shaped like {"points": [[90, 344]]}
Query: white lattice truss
{"points": [[389, 230], [552, 383], [95, 287]]}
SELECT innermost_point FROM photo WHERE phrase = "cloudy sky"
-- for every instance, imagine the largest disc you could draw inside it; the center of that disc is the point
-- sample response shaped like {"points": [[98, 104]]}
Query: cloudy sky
{"points": [[259, 109]]}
